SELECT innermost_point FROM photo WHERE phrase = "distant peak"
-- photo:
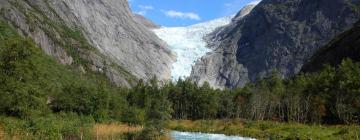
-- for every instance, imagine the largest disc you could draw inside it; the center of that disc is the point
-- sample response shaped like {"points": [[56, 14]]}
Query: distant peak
{"points": [[254, 2]]}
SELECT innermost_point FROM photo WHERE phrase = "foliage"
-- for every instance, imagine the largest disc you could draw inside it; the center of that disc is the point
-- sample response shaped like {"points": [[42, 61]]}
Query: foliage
{"points": [[22, 76], [330, 96], [157, 109], [37, 92], [65, 126]]}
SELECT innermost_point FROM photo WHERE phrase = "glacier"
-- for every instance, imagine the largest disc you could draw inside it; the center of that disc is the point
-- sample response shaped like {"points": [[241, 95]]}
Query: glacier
{"points": [[188, 43]]}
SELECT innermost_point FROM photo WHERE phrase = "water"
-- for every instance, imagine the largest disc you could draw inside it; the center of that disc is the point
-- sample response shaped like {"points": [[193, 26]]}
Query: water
{"points": [[176, 135]]}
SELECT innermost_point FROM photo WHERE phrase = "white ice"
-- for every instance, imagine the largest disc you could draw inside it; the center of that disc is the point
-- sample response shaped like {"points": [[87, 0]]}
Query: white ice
{"points": [[188, 44]]}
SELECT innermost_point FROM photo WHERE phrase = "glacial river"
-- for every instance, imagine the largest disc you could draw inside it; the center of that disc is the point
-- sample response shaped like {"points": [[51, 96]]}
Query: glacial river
{"points": [[176, 135]]}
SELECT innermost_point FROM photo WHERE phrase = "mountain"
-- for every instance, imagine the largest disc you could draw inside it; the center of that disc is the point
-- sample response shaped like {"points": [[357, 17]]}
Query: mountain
{"points": [[346, 45], [188, 43], [276, 35], [92, 35], [144, 21]]}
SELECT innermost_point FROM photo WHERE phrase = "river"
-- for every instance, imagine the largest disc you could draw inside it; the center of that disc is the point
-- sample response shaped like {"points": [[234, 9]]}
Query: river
{"points": [[176, 135]]}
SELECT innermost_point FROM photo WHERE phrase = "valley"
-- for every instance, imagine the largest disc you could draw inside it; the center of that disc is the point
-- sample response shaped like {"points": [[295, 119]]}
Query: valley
{"points": [[150, 70]]}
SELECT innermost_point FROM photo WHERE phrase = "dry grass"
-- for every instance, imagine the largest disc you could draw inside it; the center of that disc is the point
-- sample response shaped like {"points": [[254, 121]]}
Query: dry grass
{"points": [[105, 131], [2, 133]]}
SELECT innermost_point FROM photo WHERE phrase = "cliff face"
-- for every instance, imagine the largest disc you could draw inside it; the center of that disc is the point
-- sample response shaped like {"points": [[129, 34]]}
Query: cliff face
{"points": [[276, 35], [94, 35], [346, 45]]}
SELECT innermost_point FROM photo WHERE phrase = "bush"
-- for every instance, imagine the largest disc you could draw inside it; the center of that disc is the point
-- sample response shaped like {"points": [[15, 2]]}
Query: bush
{"points": [[49, 127], [134, 116]]}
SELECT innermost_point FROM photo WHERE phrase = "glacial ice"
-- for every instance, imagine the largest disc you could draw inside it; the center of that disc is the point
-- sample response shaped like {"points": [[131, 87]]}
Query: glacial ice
{"points": [[188, 43]]}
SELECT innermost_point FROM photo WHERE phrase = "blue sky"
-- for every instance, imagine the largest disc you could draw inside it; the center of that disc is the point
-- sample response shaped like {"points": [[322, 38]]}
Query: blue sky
{"points": [[173, 13]]}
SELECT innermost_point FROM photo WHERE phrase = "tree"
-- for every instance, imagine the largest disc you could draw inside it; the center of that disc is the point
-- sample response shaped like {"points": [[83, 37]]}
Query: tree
{"points": [[23, 92], [346, 106]]}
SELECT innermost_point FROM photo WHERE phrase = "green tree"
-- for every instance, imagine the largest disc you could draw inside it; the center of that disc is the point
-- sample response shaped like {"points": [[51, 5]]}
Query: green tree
{"points": [[158, 112], [22, 89]]}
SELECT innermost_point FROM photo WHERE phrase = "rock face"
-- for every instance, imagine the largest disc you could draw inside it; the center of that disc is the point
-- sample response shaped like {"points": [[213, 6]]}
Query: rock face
{"points": [[100, 35], [276, 35], [346, 45], [207, 68], [144, 21]]}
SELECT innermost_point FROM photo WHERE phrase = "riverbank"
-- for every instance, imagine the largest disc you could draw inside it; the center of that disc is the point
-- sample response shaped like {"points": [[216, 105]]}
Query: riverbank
{"points": [[267, 129]]}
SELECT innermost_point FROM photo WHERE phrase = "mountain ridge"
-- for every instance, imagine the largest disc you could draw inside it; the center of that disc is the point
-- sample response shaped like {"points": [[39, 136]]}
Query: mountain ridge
{"points": [[277, 35], [344, 46], [93, 35]]}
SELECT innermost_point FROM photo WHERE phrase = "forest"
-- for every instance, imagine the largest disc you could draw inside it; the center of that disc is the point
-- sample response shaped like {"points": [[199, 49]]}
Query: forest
{"points": [[47, 100]]}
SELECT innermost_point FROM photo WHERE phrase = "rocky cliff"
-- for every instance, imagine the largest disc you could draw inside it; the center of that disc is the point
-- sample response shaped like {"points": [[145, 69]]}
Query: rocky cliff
{"points": [[92, 35], [276, 35], [346, 45]]}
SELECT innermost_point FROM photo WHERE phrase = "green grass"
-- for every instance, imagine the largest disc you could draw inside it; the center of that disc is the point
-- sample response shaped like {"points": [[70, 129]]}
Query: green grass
{"points": [[269, 129], [65, 126]]}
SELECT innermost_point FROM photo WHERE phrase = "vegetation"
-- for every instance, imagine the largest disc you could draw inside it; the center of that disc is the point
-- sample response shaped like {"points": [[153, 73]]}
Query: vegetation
{"points": [[43, 99], [60, 126], [319, 105], [331, 96], [114, 131]]}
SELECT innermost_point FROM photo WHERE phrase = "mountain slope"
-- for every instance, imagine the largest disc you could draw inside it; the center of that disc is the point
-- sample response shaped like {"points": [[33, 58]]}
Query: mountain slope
{"points": [[347, 45], [94, 35], [277, 34]]}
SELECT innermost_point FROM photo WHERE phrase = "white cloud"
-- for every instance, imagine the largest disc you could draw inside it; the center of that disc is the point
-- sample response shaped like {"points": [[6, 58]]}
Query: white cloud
{"points": [[141, 12], [227, 4], [184, 15], [146, 7]]}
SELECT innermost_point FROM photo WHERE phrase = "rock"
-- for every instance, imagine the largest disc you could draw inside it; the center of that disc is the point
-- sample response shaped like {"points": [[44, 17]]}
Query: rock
{"points": [[276, 35], [205, 69], [102, 34], [346, 45]]}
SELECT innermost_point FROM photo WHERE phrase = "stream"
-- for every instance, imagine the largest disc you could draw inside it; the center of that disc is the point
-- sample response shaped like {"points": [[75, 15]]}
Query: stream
{"points": [[176, 135]]}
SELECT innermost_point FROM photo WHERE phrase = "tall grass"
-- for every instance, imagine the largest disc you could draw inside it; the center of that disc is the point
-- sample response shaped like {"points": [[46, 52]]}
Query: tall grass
{"points": [[64, 127], [2, 133], [113, 131]]}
